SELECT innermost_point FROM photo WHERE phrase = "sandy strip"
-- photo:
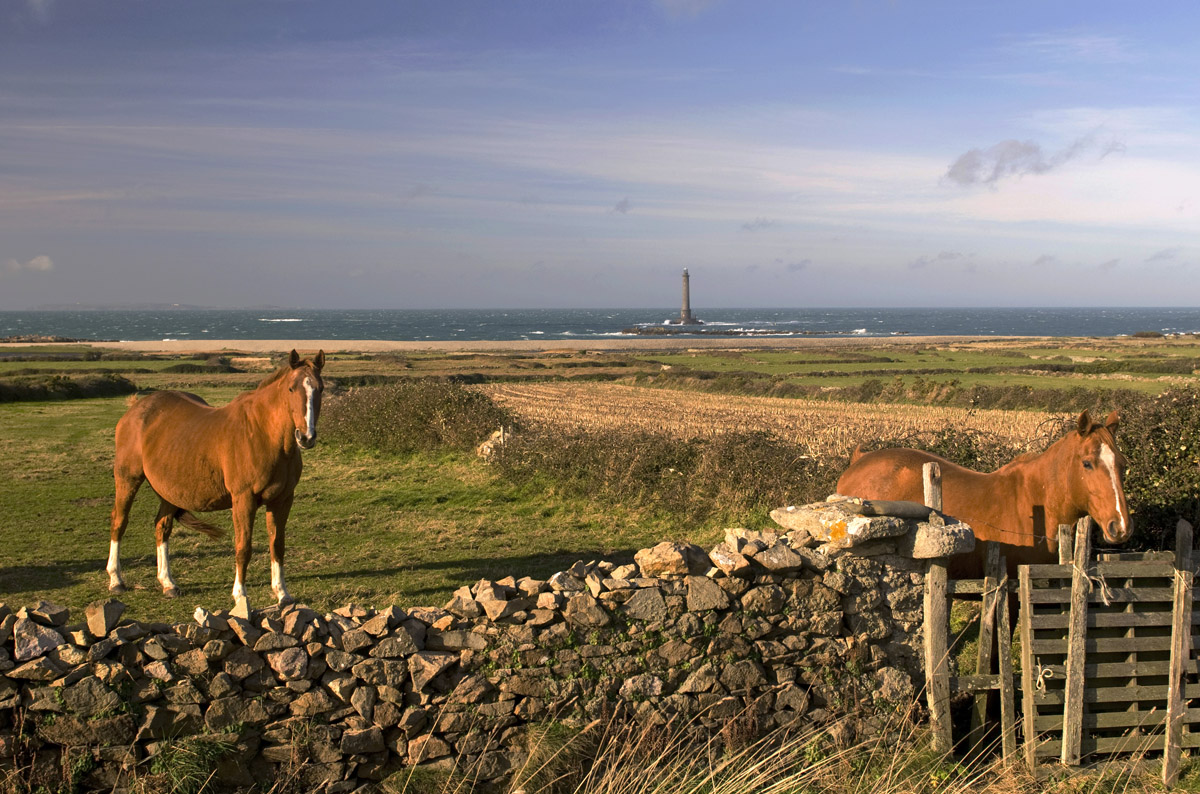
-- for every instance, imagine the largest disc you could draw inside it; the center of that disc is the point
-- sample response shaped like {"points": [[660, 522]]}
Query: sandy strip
{"points": [[527, 346]]}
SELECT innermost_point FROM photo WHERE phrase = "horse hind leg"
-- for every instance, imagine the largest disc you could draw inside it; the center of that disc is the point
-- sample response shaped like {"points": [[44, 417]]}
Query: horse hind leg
{"points": [[127, 484], [163, 525]]}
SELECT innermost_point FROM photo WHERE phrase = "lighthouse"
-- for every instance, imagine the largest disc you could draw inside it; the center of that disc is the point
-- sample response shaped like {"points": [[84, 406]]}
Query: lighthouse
{"points": [[685, 313]]}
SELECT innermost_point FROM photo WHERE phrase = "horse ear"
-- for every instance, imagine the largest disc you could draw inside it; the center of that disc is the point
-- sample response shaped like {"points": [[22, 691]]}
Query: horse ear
{"points": [[1085, 423], [294, 360], [319, 361], [1112, 422]]}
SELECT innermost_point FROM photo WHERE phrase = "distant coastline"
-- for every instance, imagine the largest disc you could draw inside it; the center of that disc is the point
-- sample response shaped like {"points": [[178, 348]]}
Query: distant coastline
{"points": [[149, 307], [200, 327]]}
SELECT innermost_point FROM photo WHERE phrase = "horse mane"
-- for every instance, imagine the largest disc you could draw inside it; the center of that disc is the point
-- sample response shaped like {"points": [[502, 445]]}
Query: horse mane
{"points": [[274, 377]]}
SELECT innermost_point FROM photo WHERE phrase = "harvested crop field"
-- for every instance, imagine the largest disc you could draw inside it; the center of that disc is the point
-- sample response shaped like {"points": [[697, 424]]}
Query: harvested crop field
{"points": [[823, 428]]}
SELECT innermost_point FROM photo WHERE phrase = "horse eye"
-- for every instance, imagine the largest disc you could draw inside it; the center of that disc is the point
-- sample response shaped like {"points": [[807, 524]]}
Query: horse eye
{"points": [[1087, 464]]}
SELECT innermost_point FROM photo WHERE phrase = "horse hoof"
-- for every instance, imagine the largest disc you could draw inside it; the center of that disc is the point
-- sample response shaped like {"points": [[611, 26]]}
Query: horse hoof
{"points": [[171, 592], [116, 589], [287, 599]]}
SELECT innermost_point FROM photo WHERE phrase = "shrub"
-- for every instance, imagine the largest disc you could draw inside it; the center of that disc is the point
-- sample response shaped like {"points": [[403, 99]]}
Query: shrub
{"points": [[1160, 438], [62, 387], [209, 365], [728, 475], [412, 416]]}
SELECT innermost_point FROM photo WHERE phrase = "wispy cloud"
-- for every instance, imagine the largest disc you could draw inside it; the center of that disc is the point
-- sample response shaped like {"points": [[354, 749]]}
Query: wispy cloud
{"points": [[922, 262], [40, 9], [40, 263], [622, 206], [1108, 265], [758, 224], [685, 9], [1012, 158], [1073, 47], [1165, 255]]}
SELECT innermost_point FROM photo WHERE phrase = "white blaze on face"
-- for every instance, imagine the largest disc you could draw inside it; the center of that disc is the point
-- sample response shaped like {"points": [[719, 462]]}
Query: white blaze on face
{"points": [[1108, 459], [310, 415]]}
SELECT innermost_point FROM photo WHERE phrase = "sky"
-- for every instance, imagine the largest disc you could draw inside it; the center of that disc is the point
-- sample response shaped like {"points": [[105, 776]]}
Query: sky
{"points": [[578, 154]]}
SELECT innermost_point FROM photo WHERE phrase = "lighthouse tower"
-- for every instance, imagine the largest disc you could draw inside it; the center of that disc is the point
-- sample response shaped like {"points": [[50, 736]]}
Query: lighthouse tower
{"points": [[685, 313]]}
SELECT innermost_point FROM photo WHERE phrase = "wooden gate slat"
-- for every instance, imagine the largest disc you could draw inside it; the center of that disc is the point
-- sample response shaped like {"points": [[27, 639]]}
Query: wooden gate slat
{"points": [[1109, 644], [1119, 694]]}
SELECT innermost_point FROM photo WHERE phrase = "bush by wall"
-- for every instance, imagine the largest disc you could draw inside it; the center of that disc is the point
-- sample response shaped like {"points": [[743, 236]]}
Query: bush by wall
{"points": [[411, 416]]}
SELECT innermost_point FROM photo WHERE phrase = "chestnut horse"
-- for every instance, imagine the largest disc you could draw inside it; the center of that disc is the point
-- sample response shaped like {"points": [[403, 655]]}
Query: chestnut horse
{"points": [[1019, 505], [199, 458]]}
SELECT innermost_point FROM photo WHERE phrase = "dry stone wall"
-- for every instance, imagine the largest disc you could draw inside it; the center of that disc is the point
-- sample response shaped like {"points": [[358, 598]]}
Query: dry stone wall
{"points": [[817, 624]]}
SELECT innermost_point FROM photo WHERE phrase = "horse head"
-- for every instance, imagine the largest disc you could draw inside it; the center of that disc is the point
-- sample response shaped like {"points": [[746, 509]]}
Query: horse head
{"points": [[304, 396], [1098, 476]]}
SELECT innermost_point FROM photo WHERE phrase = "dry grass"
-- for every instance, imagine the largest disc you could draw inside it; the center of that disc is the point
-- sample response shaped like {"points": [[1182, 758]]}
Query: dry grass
{"points": [[822, 429]]}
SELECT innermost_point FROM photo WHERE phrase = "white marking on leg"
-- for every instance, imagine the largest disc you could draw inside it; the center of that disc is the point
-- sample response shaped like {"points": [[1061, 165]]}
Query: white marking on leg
{"points": [[114, 565], [277, 585], [164, 566], [1109, 459], [239, 590]]}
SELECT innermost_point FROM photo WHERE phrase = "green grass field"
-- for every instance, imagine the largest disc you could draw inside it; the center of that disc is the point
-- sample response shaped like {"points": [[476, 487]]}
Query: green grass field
{"points": [[378, 529], [365, 528]]}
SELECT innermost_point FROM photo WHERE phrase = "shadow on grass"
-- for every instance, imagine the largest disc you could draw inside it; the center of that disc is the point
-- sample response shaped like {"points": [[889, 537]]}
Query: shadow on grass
{"points": [[61, 574], [468, 571]]}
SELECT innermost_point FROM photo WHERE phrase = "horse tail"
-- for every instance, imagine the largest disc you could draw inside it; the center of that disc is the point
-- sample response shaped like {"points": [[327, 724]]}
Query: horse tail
{"points": [[203, 527]]}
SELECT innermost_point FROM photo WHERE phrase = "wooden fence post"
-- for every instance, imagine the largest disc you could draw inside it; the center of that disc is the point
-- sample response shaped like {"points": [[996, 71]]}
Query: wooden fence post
{"points": [[937, 624], [1028, 674], [1181, 649], [1066, 544], [1076, 650], [1008, 708]]}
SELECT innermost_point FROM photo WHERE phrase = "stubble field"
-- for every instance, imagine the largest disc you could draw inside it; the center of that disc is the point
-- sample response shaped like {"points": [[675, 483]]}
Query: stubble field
{"points": [[828, 430]]}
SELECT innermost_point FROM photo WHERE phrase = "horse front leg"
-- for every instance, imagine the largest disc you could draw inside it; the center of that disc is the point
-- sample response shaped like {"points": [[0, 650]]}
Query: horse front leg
{"points": [[244, 507], [128, 479], [277, 516]]}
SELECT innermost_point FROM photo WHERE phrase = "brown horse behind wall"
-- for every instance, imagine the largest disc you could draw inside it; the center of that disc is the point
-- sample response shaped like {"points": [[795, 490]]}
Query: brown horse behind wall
{"points": [[1019, 505], [199, 458]]}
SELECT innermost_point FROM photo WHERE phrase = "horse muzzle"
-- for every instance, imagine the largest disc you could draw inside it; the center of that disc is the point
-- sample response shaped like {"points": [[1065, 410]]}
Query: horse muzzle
{"points": [[1116, 531], [306, 441]]}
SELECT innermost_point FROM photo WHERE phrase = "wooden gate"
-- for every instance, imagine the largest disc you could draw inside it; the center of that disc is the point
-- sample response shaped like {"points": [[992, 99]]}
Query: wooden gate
{"points": [[1106, 662], [1106, 650]]}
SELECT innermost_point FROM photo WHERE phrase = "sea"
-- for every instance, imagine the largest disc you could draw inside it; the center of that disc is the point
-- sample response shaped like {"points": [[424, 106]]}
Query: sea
{"points": [[584, 324]]}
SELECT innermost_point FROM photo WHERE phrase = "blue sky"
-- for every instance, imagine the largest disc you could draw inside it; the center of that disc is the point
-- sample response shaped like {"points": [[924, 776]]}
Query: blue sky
{"points": [[390, 154]]}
